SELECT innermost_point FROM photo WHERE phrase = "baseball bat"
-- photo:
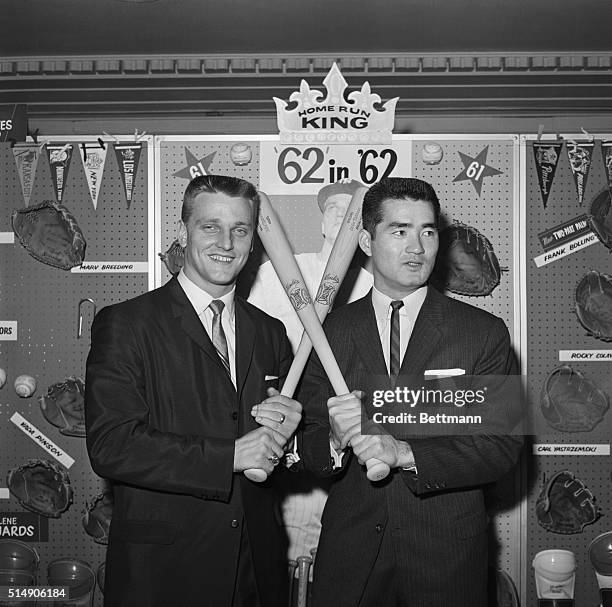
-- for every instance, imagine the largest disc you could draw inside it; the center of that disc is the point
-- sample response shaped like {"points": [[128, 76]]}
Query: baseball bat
{"points": [[335, 270], [304, 563], [279, 250], [292, 567]]}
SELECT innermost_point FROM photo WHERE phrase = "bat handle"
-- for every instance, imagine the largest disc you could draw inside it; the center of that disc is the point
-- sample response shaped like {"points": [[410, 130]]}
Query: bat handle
{"points": [[257, 475], [304, 563], [292, 569], [377, 470]]}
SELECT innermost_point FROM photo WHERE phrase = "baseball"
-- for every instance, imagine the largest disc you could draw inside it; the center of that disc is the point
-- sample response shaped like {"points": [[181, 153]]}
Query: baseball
{"points": [[25, 386], [241, 154], [432, 152], [2, 377]]}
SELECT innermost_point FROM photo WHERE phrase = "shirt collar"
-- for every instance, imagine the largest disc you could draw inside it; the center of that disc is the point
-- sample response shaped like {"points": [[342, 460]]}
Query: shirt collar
{"points": [[200, 299], [412, 302]]}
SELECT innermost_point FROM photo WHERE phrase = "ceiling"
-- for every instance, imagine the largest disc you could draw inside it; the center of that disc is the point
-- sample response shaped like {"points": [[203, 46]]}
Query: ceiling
{"points": [[120, 57], [111, 27]]}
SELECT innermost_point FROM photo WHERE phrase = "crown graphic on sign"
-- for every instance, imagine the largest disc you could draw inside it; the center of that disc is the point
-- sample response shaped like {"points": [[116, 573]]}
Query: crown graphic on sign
{"points": [[335, 118]]}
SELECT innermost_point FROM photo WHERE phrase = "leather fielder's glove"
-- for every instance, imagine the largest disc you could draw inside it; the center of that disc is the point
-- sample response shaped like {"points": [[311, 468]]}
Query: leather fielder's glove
{"points": [[593, 298], [97, 517], [565, 505], [63, 406], [601, 217], [467, 264], [572, 403], [41, 486], [174, 257], [50, 234]]}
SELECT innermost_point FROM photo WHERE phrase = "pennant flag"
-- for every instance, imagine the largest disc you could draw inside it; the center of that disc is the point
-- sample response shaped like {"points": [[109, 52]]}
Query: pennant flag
{"points": [[580, 155], [128, 156], [606, 150], [59, 162], [26, 159], [546, 159], [93, 156]]}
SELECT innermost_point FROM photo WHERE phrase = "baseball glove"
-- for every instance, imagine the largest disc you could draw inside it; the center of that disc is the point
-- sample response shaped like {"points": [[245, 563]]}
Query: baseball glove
{"points": [[174, 257], [97, 517], [467, 264], [63, 406], [600, 219], [565, 505], [50, 234], [593, 298], [572, 403], [41, 486]]}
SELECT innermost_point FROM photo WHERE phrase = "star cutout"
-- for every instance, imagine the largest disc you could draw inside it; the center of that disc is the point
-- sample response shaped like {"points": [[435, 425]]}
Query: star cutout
{"points": [[194, 166], [476, 169]]}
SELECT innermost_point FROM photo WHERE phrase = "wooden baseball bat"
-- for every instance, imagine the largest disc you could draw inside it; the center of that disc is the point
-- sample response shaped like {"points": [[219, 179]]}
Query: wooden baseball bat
{"points": [[279, 251], [304, 563], [292, 567], [335, 270]]}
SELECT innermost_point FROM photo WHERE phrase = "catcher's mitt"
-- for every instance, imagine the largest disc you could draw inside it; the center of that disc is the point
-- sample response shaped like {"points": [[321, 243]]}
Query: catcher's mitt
{"points": [[97, 517], [601, 217], [63, 406], [572, 403], [50, 234], [174, 257], [565, 505], [41, 486], [593, 298], [467, 264]]}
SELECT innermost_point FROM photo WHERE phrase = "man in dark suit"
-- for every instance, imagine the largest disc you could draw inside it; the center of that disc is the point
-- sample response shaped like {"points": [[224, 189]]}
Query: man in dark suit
{"points": [[417, 538], [175, 384]]}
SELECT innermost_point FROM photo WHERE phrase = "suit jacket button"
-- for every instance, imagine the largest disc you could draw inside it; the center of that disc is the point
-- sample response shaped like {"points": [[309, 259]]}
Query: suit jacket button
{"points": [[234, 524], [235, 415], [379, 527]]}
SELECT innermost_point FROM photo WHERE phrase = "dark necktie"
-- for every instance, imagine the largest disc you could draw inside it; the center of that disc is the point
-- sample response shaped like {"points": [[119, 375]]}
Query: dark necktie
{"points": [[394, 341], [218, 334]]}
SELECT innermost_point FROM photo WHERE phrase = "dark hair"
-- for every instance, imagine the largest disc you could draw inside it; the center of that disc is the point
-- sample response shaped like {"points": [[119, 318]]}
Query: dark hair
{"points": [[395, 188], [230, 186]]}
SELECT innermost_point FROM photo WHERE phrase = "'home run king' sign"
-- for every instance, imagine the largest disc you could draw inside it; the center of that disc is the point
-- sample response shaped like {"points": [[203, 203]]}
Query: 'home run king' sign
{"points": [[335, 118]]}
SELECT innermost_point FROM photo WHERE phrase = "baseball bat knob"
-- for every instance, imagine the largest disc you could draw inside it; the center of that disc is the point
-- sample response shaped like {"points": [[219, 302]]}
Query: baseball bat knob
{"points": [[257, 475], [377, 470]]}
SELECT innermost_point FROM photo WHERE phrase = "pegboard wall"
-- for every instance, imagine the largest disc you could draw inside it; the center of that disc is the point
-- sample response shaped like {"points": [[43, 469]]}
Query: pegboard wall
{"points": [[494, 212], [44, 302], [535, 302], [551, 327]]}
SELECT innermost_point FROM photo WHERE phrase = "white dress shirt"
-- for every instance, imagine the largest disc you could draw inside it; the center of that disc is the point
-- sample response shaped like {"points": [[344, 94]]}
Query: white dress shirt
{"points": [[407, 317], [200, 300]]}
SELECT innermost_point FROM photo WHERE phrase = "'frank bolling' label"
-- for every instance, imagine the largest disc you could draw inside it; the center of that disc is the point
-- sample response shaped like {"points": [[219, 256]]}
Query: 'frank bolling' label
{"points": [[586, 240]]}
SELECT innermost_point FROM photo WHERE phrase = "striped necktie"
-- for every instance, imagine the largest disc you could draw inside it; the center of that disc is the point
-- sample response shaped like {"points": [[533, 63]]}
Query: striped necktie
{"points": [[218, 334], [394, 340]]}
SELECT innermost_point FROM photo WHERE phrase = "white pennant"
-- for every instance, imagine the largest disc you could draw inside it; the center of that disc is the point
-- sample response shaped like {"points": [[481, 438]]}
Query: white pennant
{"points": [[93, 156]]}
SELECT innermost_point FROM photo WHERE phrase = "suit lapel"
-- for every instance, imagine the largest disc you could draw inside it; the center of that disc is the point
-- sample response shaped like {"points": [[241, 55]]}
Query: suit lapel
{"points": [[245, 342], [366, 340], [426, 334], [190, 323]]}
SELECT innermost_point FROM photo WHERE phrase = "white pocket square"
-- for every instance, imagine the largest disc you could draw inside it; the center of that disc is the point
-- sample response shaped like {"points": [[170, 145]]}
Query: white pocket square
{"points": [[440, 373], [270, 377]]}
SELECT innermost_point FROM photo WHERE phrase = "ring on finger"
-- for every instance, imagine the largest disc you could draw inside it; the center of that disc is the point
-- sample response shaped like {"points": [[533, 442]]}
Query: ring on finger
{"points": [[282, 418], [273, 459]]}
